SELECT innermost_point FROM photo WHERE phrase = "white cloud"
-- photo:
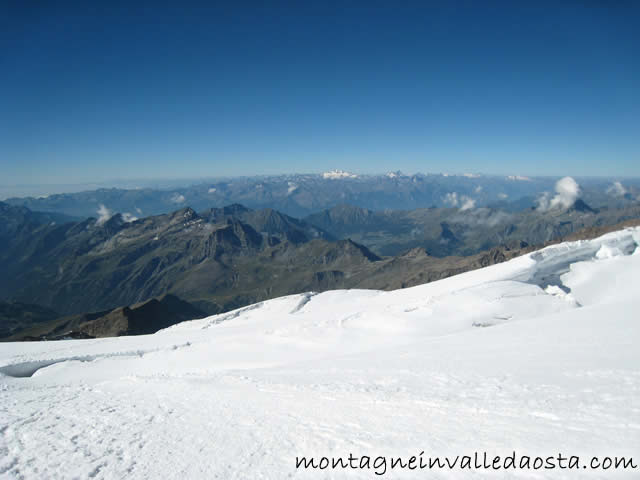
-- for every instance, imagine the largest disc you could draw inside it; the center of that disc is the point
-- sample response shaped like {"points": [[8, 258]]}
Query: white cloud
{"points": [[463, 201], [544, 202], [478, 189], [467, 203], [292, 188], [503, 196], [139, 211], [211, 190], [567, 191], [104, 214], [616, 189], [451, 199], [177, 198]]}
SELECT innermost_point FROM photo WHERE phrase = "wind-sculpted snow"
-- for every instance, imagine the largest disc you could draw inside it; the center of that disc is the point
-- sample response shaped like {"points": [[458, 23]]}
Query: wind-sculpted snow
{"points": [[556, 260], [537, 355]]}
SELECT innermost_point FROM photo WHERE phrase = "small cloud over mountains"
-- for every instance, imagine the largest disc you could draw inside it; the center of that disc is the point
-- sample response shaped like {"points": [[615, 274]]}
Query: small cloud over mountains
{"points": [[177, 198], [104, 214], [567, 191], [616, 189], [451, 198], [462, 201], [467, 203]]}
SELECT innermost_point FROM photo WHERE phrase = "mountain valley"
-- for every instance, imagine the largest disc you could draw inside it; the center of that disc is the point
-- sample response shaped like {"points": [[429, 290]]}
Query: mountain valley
{"points": [[224, 258]]}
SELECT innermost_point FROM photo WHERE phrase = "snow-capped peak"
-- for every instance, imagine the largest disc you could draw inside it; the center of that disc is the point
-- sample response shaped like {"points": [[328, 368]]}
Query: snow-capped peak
{"points": [[337, 174]]}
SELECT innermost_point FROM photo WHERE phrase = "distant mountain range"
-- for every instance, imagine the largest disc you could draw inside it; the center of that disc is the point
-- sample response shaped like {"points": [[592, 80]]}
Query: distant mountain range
{"points": [[302, 195]]}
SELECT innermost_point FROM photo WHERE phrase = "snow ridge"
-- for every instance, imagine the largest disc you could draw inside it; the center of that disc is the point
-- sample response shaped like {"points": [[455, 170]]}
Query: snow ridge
{"points": [[338, 174]]}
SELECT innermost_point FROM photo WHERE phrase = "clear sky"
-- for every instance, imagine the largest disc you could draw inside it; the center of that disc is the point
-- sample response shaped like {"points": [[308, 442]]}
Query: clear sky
{"points": [[183, 89]]}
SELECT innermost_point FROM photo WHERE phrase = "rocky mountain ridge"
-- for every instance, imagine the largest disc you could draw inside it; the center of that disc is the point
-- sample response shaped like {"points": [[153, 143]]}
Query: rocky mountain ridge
{"points": [[222, 259]]}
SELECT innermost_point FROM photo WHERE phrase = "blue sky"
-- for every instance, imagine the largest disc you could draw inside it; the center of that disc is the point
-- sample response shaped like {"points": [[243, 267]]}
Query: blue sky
{"points": [[92, 93]]}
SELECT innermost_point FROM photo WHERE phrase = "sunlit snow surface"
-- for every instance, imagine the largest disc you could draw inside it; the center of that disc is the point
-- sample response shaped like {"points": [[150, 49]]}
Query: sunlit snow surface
{"points": [[538, 355]]}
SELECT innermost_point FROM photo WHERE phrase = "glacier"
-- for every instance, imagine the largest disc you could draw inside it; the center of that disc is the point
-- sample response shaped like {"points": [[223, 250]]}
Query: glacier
{"points": [[537, 355]]}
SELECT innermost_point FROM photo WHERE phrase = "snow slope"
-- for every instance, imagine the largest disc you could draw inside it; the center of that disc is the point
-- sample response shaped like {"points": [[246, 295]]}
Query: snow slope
{"points": [[537, 355]]}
